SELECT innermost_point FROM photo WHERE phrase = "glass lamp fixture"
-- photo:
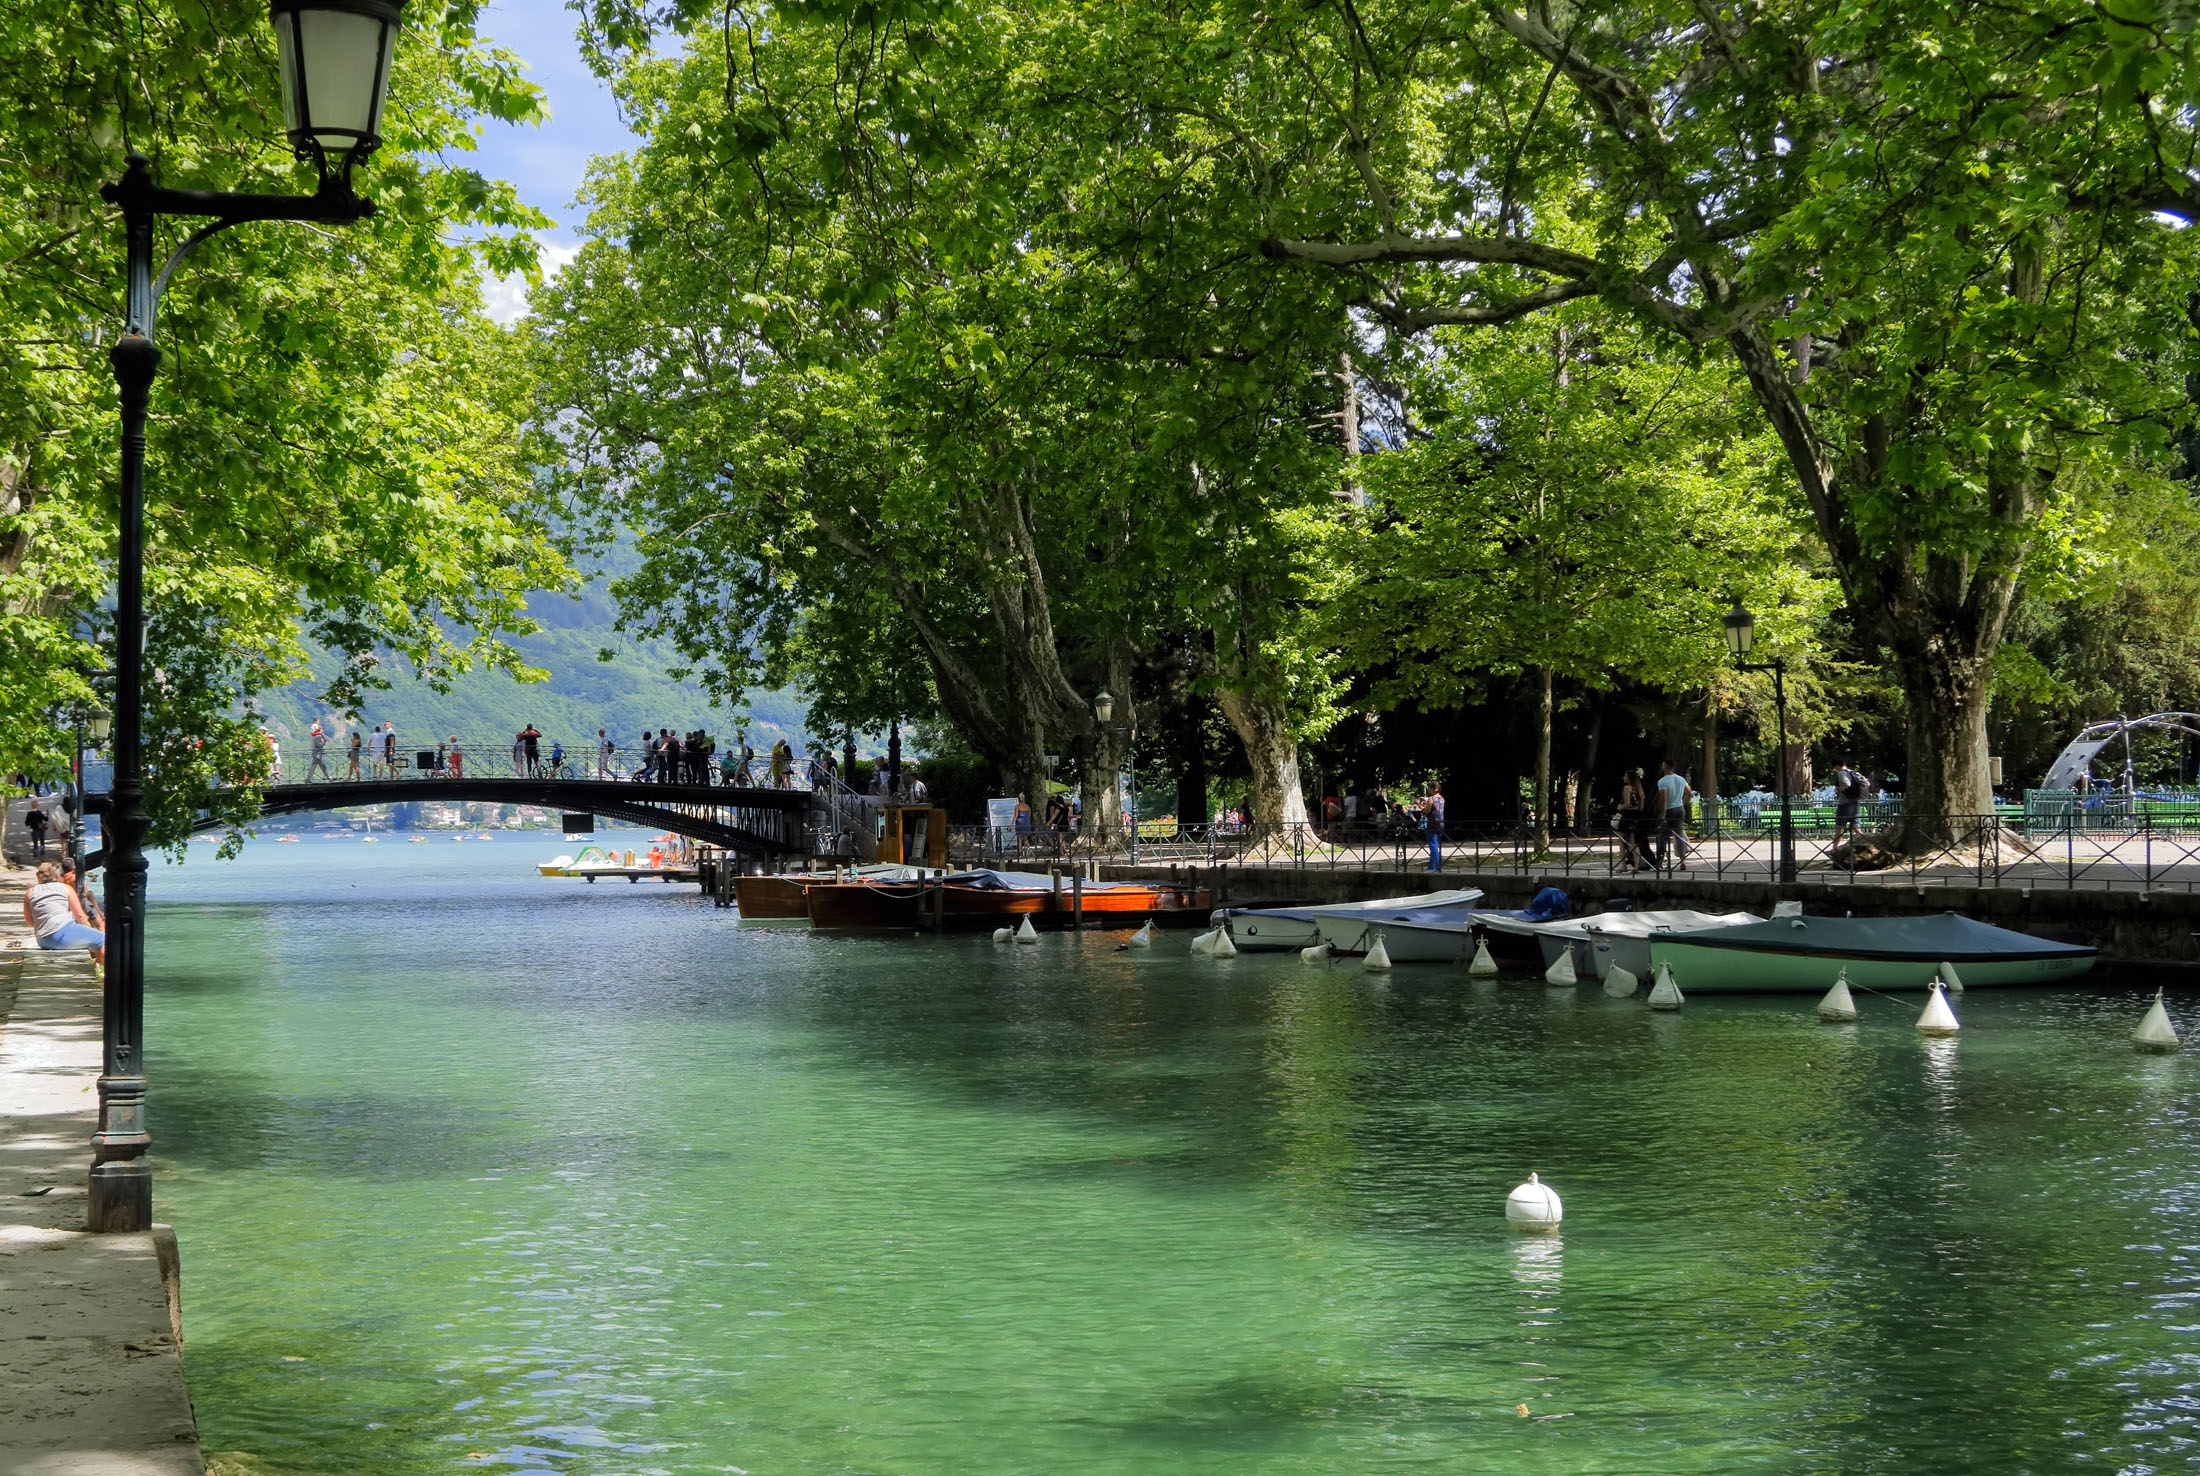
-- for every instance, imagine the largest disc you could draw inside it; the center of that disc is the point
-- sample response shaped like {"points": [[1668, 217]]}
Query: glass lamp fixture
{"points": [[1741, 631], [335, 57]]}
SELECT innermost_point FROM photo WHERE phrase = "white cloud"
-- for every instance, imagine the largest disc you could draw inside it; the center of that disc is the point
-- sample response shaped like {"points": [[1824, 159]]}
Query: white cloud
{"points": [[505, 298]]}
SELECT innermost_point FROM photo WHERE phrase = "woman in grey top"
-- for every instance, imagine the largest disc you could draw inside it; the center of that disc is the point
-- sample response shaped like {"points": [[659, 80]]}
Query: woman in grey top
{"points": [[53, 911]]}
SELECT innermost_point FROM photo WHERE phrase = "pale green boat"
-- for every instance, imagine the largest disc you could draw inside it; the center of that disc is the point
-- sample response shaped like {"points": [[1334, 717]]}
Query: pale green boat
{"points": [[1804, 955]]}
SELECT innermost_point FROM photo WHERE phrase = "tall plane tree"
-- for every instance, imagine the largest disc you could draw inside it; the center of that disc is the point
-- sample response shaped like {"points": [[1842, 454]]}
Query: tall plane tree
{"points": [[1939, 240]]}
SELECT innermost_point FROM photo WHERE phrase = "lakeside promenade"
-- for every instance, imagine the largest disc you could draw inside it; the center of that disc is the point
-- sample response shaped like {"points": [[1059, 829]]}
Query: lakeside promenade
{"points": [[91, 1356]]}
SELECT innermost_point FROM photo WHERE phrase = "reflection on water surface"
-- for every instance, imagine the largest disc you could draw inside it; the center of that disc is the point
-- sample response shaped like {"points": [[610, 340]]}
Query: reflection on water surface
{"points": [[477, 1170]]}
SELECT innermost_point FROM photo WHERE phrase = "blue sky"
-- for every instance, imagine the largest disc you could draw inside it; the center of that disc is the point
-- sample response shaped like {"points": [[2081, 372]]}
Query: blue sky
{"points": [[547, 163]]}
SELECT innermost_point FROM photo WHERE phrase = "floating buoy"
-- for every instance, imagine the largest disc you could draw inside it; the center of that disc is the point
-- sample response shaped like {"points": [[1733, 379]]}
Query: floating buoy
{"points": [[1620, 983], [1203, 946], [1143, 938], [1225, 946], [1562, 971], [1318, 954], [1534, 1207], [1937, 1019], [1378, 957], [1483, 965], [1027, 933], [1839, 1006], [1004, 935], [2155, 1033], [1955, 980], [1665, 994]]}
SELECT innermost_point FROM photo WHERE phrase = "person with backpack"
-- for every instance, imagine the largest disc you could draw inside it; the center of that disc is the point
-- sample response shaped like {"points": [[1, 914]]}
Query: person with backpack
{"points": [[1849, 789]]}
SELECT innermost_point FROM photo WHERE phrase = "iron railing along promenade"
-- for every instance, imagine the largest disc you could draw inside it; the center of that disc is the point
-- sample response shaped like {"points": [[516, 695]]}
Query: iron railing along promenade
{"points": [[2073, 851]]}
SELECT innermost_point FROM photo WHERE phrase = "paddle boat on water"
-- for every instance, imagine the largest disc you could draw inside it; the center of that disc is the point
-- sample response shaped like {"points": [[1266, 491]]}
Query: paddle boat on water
{"points": [[1804, 955], [1344, 925], [592, 859]]}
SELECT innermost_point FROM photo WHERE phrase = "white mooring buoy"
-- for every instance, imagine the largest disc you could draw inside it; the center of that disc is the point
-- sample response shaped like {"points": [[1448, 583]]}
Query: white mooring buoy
{"points": [[1534, 1207], [1225, 946], [1937, 1019], [1953, 979], [1483, 965], [1203, 946], [1004, 935], [1620, 983], [1378, 957], [1562, 970], [1143, 938], [1665, 994], [1027, 933], [2155, 1033], [1317, 955], [1839, 1006]]}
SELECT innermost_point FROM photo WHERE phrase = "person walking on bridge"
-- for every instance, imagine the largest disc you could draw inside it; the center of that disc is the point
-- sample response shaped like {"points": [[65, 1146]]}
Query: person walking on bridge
{"points": [[317, 740], [603, 754], [356, 744], [458, 759], [527, 751], [389, 749]]}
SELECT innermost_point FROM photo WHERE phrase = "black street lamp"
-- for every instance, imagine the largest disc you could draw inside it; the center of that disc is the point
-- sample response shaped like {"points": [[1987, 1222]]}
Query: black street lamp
{"points": [[1103, 710], [1741, 634], [335, 59]]}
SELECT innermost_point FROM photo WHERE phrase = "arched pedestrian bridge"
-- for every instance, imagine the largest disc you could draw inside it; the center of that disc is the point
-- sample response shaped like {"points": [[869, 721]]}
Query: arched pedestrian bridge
{"points": [[752, 822]]}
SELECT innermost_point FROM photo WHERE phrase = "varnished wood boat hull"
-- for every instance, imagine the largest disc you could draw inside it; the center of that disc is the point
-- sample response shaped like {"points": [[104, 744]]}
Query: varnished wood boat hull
{"points": [[909, 905]]}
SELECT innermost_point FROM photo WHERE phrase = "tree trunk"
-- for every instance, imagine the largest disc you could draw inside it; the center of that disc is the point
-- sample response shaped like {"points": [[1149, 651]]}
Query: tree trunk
{"points": [[1543, 762], [1585, 808], [1273, 752], [1943, 796]]}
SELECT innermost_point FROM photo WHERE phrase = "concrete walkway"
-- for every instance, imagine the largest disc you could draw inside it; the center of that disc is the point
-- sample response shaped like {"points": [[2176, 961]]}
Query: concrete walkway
{"points": [[91, 1357]]}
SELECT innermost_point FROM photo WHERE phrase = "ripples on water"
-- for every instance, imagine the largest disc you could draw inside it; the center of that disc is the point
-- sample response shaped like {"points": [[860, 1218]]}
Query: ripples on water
{"points": [[479, 1170]]}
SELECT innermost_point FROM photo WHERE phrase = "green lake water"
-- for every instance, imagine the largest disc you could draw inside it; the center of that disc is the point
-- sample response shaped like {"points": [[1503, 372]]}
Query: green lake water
{"points": [[477, 1170]]}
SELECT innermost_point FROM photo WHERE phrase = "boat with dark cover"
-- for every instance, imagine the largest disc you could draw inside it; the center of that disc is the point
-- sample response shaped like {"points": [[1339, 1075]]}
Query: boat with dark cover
{"points": [[1804, 955]]}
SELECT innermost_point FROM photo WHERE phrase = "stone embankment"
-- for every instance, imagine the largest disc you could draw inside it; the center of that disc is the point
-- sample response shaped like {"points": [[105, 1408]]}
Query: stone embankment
{"points": [[2157, 928], [91, 1334]]}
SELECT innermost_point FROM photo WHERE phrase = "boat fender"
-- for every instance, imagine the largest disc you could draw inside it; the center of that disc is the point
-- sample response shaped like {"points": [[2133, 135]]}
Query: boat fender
{"points": [[1317, 955], [1534, 1208], [2155, 1033], [1027, 933], [1225, 947], [1839, 1006], [1483, 966], [1562, 971], [1620, 983], [1143, 938], [1004, 935], [1665, 994], [1378, 957], [1937, 1018], [1955, 980]]}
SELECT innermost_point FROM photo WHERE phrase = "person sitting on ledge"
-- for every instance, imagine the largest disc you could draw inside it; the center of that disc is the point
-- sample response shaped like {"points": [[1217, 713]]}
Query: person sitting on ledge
{"points": [[52, 911]]}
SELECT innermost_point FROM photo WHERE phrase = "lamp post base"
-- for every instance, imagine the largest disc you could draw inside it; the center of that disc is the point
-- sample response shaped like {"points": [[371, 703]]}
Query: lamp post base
{"points": [[121, 1197]]}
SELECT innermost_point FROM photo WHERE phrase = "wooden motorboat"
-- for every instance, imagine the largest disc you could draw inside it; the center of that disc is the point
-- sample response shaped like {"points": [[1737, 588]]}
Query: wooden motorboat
{"points": [[1804, 955], [782, 896], [988, 899]]}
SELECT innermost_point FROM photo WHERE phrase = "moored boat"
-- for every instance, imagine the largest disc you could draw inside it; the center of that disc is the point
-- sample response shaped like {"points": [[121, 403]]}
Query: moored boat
{"points": [[1803, 955], [761, 897], [1623, 938], [1510, 932], [1274, 929], [969, 899]]}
